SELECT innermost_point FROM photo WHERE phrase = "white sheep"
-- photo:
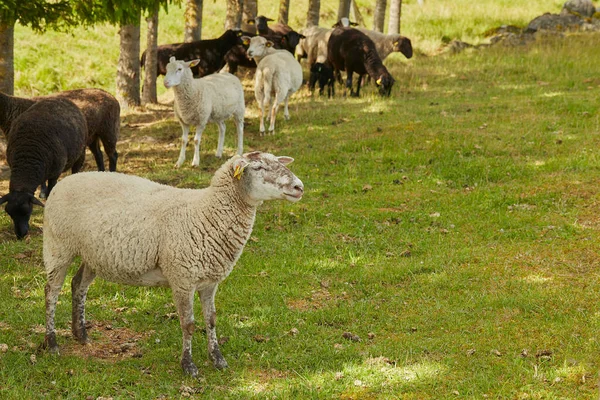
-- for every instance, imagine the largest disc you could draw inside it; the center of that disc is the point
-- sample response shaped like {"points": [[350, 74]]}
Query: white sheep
{"points": [[150, 234], [277, 73], [213, 98], [389, 43], [314, 45]]}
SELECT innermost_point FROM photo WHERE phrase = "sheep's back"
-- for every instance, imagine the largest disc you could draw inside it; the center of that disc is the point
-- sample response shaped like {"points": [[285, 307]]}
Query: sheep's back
{"points": [[51, 135], [282, 67]]}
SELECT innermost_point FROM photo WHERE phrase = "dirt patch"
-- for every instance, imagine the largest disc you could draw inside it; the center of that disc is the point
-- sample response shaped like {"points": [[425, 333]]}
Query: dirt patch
{"points": [[106, 342]]}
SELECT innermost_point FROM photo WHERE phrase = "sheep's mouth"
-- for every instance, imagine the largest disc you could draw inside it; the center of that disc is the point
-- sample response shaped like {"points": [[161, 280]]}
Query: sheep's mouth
{"points": [[293, 196]]}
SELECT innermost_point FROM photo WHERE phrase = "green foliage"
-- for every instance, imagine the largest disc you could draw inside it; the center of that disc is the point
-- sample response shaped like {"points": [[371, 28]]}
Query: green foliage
{"points": [[38, 14], [117, 11]]}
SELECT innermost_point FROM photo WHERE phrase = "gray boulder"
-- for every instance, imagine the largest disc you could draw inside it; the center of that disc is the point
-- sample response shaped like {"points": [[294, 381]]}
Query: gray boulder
{"points": [[582, 8], [555, 22]]}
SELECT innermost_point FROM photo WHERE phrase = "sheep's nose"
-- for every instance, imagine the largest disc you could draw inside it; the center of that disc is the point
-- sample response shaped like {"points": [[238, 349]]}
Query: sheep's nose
{"points": [[299, 188]]}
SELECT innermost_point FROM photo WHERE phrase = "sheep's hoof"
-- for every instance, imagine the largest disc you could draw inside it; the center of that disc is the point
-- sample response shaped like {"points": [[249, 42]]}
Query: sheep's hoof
{"points": [[189, 367], [50, 344], [287, 117], [195, 164], [177, 165]]}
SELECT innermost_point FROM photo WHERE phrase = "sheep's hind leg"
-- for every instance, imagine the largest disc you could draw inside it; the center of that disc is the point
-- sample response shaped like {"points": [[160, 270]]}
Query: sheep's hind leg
{"points": [[274, 113], [79, 288], [207, 297], [184, 301], [286, 112], [197, 138], [95, 149], [184, 141], [221, 142], [57, 270], [239, 124]]}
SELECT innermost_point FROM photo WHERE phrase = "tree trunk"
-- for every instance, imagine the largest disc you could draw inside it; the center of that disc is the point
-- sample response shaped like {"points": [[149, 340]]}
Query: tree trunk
{"points": [[249, 13], [128, 68], [193, 20], [395, 16], [149, 90], [356, 14], [233, 19], [312, 18], [7, 57], [379, 17], [344, 9], [284, 11]]}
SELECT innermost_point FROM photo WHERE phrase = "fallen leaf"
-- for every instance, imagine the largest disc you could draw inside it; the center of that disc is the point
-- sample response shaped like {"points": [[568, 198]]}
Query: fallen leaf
{"points": [[351, 336], [261, 338], [495, 352], [367, 187]]}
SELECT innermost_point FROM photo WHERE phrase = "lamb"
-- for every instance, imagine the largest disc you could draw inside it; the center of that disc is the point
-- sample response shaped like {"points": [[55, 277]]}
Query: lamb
{"points": [[277, 73], [185, 239], [45, 140], [352, 51], [323, 74], [210, 52], [386, 44], [100, 109], [213, 98]]}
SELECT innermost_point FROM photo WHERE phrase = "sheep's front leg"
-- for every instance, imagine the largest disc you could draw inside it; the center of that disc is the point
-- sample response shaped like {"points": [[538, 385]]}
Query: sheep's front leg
{"points": [[221, 142], [184, 141], [360, 78], [79, 288], [197, 137], [349, 82], [184, 301], [207, 297]]}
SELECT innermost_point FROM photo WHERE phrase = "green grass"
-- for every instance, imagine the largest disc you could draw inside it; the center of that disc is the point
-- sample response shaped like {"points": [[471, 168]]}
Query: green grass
{"points": [[456, 222]]}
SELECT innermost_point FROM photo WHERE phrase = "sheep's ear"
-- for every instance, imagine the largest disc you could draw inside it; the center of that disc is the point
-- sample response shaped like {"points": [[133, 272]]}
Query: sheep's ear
{"points": [[285, 160], [269, 19], [172, 59], [353, 24], [193, 63], [4, 199], [246, 40], [269, 43], [238, 167], [35, 201], [301, 36]]}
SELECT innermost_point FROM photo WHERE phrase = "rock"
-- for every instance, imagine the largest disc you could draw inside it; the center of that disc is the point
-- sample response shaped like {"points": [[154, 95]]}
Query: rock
{"points": [[581, 8], [555, 22]]}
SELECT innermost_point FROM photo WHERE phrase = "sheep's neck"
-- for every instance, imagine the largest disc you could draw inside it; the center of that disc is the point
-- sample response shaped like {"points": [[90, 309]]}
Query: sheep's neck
{"points": [[10, 108], [268, 52], [25, 179], [187, 91]]}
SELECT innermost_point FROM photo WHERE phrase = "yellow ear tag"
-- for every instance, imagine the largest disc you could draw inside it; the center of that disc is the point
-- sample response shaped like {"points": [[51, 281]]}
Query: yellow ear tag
{"points": [[238, 172], [396, 43], [269, 44], [378, 81], [246, 42]]}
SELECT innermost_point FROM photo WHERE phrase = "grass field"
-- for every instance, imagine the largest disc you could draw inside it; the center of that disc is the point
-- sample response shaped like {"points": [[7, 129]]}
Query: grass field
{"points": [[452, 227]]}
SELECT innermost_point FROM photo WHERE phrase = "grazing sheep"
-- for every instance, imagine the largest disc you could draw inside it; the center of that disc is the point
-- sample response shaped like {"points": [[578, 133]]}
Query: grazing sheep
{"points": [[210, 53], [213, 98], [277, 73], [100, 109], [386, 44], [352, 51], [150, 234], [45, 140]]}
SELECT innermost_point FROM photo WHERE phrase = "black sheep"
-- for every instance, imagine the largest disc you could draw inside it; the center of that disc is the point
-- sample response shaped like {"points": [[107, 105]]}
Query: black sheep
{"points": [[101, 111], [323, 74], [45, 140], [210, 52], [352, 51]]}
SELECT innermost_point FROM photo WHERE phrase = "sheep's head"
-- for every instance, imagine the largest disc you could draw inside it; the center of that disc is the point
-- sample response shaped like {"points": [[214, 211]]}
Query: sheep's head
{"points": [[291, 39], [344, 23], [264, 176], [404, 46], [261, 23], [19, 206], [257, 46], [385, 83], [176, 70]]}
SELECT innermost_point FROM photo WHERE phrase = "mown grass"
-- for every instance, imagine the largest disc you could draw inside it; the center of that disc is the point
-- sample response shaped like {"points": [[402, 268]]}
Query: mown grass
{"points": [[451, 227]]}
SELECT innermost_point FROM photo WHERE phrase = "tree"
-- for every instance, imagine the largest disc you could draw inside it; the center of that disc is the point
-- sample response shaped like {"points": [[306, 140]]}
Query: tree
{"points": [[284, 10], [249, 13], [379, 17], [312, 17], [344, 9], [40, 15], [150, 66], [395, 16], [193, 20], [233, 19]]}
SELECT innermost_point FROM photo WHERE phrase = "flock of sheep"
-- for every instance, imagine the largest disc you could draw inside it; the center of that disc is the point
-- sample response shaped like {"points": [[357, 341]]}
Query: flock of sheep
{"points": [[150, 234]]}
